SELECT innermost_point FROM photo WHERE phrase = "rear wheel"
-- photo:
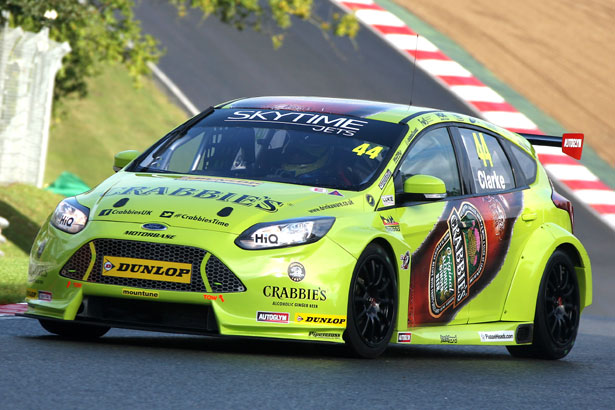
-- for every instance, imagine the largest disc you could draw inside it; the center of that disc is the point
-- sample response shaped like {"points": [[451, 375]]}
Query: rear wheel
{"points": [[372, 304], [557, 312], [73, 330]]}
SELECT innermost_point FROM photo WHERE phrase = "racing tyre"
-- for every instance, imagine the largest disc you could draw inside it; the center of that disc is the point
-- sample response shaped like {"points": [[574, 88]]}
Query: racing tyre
{"points": [[372, 304], [557, 312], [73, 330]]}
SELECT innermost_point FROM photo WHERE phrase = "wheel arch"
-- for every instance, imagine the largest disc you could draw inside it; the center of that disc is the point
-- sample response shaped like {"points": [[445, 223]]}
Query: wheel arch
{"points": [[393, 246], [520, 302]]}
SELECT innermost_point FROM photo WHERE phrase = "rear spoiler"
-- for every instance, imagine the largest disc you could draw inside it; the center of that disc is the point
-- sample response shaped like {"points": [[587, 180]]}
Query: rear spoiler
{"points": [[571, 143]]}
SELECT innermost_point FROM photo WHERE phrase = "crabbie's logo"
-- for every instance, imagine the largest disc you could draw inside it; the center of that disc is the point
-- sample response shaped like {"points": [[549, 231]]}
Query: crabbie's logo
{"points": [[263, 203], [317, 319], [146, 269], [458, 259], [272, 317], [316, 122]]}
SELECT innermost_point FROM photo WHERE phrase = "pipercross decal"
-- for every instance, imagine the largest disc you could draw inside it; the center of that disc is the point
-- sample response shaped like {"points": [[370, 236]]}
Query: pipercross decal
{"points": [[264, 203], [316, 122], [147, 269], [316, 319]]}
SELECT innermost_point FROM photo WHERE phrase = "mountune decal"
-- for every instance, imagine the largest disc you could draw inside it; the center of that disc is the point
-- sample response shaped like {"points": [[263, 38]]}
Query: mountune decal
{"points": [[461, 255], [316, 122], [264, 203], [141, 292]]}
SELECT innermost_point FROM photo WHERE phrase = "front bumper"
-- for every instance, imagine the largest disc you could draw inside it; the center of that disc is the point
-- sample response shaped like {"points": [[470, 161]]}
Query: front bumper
{"points": [[263, 302]]}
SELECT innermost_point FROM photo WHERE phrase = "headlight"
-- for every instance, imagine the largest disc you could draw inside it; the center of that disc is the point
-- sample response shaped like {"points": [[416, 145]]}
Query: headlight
{"points": [[70, 216], [279, 234]]}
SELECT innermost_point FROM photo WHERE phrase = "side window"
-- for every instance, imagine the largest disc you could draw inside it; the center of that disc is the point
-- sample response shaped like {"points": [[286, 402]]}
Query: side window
{"points": [[491, 171], [433, 154], [526, 163]]}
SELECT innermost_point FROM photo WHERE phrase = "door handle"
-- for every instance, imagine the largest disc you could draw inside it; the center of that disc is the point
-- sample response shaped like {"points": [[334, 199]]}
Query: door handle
{"points": [[528, 216]]}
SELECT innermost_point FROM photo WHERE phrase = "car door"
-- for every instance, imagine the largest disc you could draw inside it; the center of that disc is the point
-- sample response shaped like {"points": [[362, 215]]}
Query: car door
{"points": [[425, 227], [497, 187]]}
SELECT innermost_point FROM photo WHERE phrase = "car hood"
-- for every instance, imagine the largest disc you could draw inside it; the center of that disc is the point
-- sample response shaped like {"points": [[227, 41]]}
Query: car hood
{"points": [[214, 203]]}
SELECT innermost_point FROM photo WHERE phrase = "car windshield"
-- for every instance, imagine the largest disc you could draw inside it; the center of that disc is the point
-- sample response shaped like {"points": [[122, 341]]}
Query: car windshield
{"points": [[321, 150]]}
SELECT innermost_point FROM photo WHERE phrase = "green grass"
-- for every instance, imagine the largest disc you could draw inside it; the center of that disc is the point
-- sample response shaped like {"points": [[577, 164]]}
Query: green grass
{"points": [[114, 117], [26, 208]]}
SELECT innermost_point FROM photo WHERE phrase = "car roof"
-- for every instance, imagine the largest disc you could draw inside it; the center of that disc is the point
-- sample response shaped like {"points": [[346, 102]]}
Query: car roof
{"points": [[375, 110], [382, 111]]}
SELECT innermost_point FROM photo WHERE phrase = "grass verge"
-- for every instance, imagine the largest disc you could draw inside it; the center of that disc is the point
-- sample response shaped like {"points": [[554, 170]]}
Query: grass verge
{"points": [[114, 117], [26, 208]]}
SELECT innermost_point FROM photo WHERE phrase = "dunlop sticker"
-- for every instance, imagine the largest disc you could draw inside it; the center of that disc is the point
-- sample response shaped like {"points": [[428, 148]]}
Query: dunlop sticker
{"points": [[146, 269], [317, 319]]}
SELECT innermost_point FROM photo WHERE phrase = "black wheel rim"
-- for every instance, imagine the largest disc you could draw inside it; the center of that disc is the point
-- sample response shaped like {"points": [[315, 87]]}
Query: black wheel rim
{"points": [[561, 305], [374, 301]]}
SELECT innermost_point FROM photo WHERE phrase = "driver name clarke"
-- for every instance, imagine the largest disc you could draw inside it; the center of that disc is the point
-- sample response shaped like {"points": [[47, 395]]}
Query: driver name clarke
{"points": [[318, 122]]}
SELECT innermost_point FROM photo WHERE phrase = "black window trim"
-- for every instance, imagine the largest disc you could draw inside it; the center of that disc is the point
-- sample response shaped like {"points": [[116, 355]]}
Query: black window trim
{"points": [[464, 191]]}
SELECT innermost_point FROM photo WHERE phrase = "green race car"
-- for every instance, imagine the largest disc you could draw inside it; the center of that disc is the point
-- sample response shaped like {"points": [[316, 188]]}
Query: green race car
{"points": [[321, 219]]}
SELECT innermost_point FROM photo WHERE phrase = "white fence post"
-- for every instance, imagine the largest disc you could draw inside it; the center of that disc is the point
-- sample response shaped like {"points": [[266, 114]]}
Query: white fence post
{"points": [[28, 65]]}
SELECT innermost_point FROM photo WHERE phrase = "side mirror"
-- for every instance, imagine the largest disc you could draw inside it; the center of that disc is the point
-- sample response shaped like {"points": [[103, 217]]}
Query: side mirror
{"points": [[123, 158], [425, 187]]}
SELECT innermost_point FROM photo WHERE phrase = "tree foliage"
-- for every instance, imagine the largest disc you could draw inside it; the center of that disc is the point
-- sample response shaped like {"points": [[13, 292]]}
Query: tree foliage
{"points": [[106, 31]]}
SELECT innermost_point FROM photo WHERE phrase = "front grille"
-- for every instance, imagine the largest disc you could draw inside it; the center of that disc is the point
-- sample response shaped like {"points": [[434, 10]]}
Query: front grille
{"points": [[145, 314], [76, 266], [221, 278]]}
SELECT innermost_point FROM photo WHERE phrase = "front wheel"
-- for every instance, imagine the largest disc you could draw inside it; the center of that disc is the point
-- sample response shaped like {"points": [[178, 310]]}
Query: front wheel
{"points": [[372, 304], [557, 312], [73, 330]]}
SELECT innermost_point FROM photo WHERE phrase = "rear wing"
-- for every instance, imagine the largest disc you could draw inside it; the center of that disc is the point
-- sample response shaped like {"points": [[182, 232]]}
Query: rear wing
{"points": [[572, 144]]}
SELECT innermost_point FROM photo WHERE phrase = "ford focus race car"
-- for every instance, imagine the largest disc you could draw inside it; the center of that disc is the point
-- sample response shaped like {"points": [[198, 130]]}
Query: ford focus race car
{"points": [[320, 219]]}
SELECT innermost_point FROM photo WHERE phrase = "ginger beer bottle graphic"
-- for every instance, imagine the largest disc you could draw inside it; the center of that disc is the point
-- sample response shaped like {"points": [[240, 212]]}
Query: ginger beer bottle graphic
{"points": [[460, 256]]}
